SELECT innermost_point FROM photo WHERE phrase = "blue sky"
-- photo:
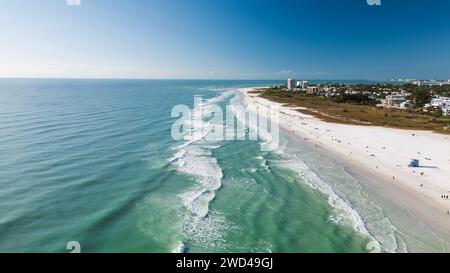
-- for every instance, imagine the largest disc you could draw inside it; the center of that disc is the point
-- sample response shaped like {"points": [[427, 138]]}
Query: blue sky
{"points": [[225, 39]]}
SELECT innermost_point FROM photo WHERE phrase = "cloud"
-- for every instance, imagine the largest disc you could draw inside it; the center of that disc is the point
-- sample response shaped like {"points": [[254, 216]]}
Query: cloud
{"points": [[287, 72]]}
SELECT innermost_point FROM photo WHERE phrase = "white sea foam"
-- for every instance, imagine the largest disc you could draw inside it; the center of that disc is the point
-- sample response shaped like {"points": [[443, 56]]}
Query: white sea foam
{"points": [[224, 92], [180, 154], [258, 124], [180, 248], [228, 93], [249, 170], [201, 225], [209, 176], [264, 164], [207, 231]]}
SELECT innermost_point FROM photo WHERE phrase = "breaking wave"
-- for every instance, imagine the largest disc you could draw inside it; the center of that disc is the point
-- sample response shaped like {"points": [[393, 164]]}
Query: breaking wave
{"points": [[201, 225]]}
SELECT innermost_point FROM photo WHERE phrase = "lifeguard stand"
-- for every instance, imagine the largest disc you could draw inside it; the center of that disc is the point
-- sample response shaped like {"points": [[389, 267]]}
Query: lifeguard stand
{"points": [[415, 163]]}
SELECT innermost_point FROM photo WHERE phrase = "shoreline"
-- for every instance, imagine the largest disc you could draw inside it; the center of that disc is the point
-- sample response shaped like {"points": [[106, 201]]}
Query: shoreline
{"points": [[378, 157]]}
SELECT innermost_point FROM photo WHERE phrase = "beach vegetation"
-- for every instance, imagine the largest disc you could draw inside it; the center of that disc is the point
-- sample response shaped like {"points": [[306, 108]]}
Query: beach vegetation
{"points": [[360, 110]]}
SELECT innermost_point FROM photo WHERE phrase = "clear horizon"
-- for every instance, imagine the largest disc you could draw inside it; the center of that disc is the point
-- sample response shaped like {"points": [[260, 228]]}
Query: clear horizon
{"points": [[213, 79], [225, 40]]}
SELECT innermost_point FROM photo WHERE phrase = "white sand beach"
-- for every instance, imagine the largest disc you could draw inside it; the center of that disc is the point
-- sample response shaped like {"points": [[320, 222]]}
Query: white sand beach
{"points": [[382, 156]]}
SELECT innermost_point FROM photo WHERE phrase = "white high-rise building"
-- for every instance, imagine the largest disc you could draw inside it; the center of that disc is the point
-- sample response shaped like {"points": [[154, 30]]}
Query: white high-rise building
{"points": [[303, 85], [291, 84]]}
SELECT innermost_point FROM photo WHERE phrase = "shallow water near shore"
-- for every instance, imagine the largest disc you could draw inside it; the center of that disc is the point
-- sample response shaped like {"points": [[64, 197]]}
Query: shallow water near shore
{"points": [[93, 161], [393, 227]]}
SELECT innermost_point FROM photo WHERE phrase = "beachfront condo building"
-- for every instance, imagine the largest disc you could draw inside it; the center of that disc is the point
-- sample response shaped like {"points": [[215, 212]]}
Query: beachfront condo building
{"points": [[291, 84], [312, 90]]}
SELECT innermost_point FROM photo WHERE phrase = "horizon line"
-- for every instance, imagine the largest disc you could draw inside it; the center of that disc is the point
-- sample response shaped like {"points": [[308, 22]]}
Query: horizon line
{"points": [[203, 79]]}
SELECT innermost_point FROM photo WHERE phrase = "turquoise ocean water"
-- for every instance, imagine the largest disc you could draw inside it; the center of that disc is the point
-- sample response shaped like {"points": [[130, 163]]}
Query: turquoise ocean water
{"points": [[93, 161]]}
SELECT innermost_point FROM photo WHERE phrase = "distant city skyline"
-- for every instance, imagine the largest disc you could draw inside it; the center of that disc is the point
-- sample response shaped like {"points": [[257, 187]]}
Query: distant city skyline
{"points": [[225, 39]]}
